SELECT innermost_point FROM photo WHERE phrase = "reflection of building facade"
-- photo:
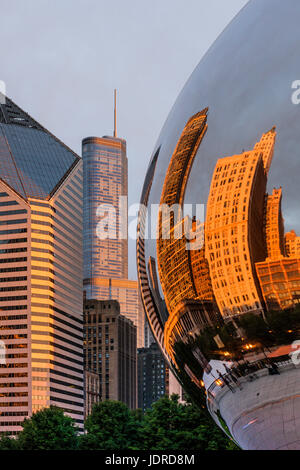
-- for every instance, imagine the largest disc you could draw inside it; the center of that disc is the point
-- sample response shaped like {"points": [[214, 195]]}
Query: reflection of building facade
{"points": [[234, 238], [151, 308], [172, 256], [154, 286], [187, 321], [274, 225], [110, 350], [199, 264], [280, 282], [292, 244], [279, 274]]}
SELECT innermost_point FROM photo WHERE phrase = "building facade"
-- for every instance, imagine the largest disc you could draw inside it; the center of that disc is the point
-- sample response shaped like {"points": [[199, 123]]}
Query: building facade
{"points": [[91, 391], [152, 376], [41, 323], [110, 350], [106, 186], [105, 244]]}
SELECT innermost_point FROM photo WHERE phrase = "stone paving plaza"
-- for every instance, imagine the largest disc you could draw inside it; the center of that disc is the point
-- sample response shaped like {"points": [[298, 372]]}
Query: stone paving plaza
{"points": [[265, 414]]}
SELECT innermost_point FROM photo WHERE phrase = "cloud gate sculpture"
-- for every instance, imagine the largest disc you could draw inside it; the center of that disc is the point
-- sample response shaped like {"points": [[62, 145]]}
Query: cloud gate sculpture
{"points": [[218, 248]]}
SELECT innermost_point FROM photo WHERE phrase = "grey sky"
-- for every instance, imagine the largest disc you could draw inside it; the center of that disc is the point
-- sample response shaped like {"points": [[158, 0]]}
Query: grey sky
{"points": [[61, 60]]}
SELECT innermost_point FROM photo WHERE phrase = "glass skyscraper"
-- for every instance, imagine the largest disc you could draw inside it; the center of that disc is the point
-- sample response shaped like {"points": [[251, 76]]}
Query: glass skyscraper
{"points": [[105, 176], [106, 260], [41, 323]]}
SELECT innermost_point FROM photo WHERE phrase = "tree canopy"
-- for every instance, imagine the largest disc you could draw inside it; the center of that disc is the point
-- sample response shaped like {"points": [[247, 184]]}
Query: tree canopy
{"points": [[168, 425]]}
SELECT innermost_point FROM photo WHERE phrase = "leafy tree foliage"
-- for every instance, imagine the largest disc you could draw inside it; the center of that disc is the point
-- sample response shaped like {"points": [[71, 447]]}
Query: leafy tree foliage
{"points": [[8, 443], [48, 429], [111, 426], [168, 425]]}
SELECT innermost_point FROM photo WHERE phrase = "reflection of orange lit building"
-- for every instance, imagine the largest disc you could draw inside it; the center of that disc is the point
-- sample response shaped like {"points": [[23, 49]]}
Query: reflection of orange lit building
{"points": [[234, 238], [187, 315], [199, 264], [172, 256], [292, 244], [274, 225], [280, 282]]}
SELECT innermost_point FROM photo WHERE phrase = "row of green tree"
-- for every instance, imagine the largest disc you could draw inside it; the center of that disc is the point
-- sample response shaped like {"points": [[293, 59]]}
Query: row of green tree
{"points": [[168, 425]]}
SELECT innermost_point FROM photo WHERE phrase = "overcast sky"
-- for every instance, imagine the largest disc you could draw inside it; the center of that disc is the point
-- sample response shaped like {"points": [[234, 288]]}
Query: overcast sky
{"points": [[62, 59]]}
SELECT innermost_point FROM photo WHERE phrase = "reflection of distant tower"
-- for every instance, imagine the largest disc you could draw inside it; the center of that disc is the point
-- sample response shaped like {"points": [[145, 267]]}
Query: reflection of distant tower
{"points": [[292, 244], [234, 238], [189, 309], [274, 225], [155, 289], [153, 314], [199, 264], [279, 274]]}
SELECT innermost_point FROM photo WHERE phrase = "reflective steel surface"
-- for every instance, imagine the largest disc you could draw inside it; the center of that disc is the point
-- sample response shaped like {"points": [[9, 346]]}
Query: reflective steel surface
{"points": [[219, 274]]}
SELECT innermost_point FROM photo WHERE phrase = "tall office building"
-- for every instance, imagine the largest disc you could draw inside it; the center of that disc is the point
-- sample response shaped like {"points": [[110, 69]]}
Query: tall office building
{"points": [[40, 271], [105, 196], [105, 186], [110, 350], [155, 378], [152, 373]]}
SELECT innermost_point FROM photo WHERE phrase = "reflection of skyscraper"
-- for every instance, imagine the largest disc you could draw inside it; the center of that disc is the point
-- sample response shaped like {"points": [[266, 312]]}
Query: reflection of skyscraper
{"points": [[106, 260], [279, 275], [292, 244], [234, 238], [172, 254], [189, 312], [153, 314], [41, 271], [199, 264], [280, 282], [154, 285], [274, 225]]}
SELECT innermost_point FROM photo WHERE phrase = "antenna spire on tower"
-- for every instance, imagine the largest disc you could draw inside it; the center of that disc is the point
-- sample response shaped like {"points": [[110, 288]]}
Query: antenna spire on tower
{"points": [[115, 114]]}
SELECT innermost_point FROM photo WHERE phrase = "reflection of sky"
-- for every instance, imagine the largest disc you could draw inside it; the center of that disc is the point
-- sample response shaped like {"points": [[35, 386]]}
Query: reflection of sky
{"points": [[245, 79]]}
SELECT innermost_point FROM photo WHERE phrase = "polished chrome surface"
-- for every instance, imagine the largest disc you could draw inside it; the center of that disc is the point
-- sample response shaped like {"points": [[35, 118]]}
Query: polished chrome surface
{"points": [[226, 314]]}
